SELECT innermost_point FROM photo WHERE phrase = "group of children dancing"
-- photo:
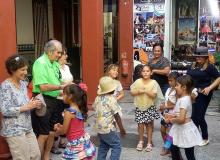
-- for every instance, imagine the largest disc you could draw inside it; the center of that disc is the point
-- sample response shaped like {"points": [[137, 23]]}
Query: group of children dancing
{"points": [[175, 112]]}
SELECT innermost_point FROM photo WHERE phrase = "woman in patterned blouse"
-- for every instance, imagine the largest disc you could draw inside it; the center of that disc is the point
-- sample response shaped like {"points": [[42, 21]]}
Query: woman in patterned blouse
{"points": [[15, 108]]}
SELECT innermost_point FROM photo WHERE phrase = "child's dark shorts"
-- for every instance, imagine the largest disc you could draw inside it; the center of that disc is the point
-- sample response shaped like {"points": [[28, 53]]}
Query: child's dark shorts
{"points": [[163, 123], [42, 125]]}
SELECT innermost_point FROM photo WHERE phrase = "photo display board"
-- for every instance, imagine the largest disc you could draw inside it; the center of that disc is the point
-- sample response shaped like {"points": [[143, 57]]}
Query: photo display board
{"points": [[148, 24]]}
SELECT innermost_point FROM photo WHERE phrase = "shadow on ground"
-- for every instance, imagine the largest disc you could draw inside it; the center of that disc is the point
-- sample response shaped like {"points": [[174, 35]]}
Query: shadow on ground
{"points": [[130, 140]]}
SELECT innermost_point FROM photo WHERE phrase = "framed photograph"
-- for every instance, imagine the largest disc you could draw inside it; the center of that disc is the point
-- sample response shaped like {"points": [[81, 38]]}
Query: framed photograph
{"points": [[187, 8], [186, 31]]}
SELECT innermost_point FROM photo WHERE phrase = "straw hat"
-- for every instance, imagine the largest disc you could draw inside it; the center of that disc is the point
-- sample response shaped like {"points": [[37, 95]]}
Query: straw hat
{"points": [[201, 51], [106, 85]]}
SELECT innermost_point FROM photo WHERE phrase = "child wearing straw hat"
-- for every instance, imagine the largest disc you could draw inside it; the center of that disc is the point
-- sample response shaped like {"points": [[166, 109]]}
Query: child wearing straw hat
{"points": [[106, 111]]}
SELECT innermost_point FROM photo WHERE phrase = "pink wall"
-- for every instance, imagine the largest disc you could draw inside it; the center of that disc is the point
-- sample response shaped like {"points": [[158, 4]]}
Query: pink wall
{"points": [[7, 34], [92, 44], [125, 37]]}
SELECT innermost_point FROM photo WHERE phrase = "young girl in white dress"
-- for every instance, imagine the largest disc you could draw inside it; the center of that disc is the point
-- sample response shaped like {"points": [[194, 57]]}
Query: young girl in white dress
{"points": [[183, 131]]}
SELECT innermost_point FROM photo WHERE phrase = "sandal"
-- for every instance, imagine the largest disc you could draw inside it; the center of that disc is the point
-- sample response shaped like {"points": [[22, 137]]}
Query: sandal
{"points": [[148, 148], [140, 146]]}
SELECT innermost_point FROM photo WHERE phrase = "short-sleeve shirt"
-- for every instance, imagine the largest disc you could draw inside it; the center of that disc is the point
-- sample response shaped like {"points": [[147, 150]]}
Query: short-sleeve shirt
{"points": [[106, 107], [46, 72], [203, 77], [142, 101], [170, 95], [14, 122], [185, 103], [161, 64]]}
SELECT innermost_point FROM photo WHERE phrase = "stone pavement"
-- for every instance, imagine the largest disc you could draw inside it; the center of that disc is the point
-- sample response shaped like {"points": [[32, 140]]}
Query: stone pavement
{"points": [[129, 142]]}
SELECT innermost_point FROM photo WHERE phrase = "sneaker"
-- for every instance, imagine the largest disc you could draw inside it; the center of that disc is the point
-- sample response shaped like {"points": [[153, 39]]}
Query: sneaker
{"points": [[204, 143]]}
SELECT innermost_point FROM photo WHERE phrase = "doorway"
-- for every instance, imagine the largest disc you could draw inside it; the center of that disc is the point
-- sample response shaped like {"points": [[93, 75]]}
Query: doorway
{"points": [[110, 15], [66, 22]]}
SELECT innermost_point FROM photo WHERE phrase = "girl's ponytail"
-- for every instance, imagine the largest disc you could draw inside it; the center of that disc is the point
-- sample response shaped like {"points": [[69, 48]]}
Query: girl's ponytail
{"points": [[83, 105]]}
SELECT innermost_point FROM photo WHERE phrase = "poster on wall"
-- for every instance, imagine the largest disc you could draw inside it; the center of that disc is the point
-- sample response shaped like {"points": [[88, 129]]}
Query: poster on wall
{"points": [[186, 34], [187, 23], [187, 8], [209, 25], [206, 27], [148, 24], [186, 31]]}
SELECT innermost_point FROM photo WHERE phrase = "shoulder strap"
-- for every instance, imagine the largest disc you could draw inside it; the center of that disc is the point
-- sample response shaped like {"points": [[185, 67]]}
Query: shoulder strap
{"points": [[77, 113]]}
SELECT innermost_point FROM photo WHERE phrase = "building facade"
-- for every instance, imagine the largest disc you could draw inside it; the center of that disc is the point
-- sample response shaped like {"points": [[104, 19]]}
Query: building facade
{"points": [[97, 33], [79, 24]]}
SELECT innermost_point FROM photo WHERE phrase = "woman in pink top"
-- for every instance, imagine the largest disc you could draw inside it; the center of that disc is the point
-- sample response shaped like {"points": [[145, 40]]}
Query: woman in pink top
{"points": [[79, 145]]}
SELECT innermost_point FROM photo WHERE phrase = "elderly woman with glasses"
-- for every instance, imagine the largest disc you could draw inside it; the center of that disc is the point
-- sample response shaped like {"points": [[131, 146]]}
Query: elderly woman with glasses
{"points": [[15, 108]]}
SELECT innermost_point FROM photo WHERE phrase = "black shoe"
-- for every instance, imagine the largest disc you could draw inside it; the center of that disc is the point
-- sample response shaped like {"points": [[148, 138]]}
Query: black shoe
{"points": [[63, 145], [55, 151]]}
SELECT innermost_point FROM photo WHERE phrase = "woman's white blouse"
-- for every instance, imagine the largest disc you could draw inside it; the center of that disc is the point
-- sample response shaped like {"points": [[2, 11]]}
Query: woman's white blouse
{"points": [[66, 74]]}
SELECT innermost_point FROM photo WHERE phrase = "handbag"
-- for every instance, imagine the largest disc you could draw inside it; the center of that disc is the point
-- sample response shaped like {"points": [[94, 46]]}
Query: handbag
{"points": [[41, 111]]}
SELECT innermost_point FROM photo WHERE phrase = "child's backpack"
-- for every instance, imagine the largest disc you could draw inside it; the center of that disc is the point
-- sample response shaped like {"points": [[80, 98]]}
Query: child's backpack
{"points": [[137, 72]]}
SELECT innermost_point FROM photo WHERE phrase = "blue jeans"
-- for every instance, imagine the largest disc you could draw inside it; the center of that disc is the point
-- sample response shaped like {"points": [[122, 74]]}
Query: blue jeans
{"points": [[107, 141]]}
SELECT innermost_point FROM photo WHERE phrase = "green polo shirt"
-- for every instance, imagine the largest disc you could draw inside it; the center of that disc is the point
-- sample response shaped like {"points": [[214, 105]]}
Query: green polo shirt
{"points": [[45, 72]]}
